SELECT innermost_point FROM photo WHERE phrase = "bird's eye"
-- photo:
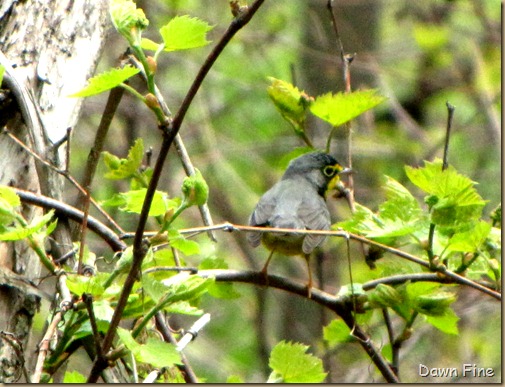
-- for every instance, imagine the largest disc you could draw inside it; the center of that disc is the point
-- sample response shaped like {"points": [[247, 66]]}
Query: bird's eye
{"points": [[329, 171]]}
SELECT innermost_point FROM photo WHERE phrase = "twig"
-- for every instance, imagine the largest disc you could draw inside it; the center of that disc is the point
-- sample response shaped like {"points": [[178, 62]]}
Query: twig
{"points": [[65, 305], [62, 209], [170, 130], [113, 100], [402, 254], [64, 174], [189, 374], [88, 301], [180, 148], [338, 305], [84, 229], [450, 115], [389, 326]]}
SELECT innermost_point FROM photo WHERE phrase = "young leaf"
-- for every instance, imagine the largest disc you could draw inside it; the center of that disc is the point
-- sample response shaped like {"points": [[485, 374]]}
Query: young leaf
{"points": [[224, 290], [290, 364], [470, 240], [148, 44], [339, 108], [336, 332], [106, 81], [124, 168], [186, 246], [184, 32], [452, 197], [291, 102], [128, 19], [18, 233], [158, 353], [132, 201], [195, 189], [74, 377], [447, 322]]}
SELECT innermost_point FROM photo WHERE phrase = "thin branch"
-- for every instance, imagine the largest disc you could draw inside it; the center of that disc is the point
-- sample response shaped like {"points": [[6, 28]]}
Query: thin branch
{"points": [[389, 326], [88, 301], [170, 130], [64, 210], [113, 100], [402, 254], [64, 174], [450, 115], [180, 148], [187, 371], [346, 74], [65, 305], [339, 305]]}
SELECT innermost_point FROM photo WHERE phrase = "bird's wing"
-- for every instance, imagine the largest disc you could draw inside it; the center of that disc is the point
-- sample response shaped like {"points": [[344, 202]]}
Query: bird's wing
{"points": [[262, 214], [315, 215]]}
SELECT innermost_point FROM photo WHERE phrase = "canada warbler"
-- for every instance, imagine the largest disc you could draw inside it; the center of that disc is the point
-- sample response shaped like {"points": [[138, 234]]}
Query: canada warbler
{"points": [[297, 201]]}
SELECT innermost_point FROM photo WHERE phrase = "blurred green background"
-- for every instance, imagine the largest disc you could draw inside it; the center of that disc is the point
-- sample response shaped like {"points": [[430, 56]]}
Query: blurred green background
{"points": [[419, 55]]}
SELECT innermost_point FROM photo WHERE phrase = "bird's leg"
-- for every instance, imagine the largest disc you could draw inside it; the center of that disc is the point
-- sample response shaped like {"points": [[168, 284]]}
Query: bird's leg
{"points": [[309, 284], [264, 270]]}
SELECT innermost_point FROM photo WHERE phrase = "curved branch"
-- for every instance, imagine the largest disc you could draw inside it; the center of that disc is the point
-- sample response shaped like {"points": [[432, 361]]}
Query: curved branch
{"points": [[339, 305], [64, 210]]}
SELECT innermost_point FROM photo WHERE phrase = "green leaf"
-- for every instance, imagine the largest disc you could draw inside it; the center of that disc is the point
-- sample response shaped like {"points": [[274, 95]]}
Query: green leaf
{"points": [[337, 332], [74, 377], [452, 196], [447, 322], [183, 307], [2, 72], [132, 201], [18, 233], [223, 290], [125, 168], [184, 32], [106, 81], [355, 289], [79, 284], [429, 299], [195, 189], [339, 108], [148, 44], [9, 196], [400, 203], [158, 353], [290, 364], [127, 18], [155, 289], [291, 102], [128, 340], [185, 286], [179, 242], [384, 296], [103, 310], [470, 240]]}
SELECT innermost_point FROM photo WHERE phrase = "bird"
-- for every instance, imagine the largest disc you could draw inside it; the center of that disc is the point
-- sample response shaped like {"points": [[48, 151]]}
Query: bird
{"points": [[297, 201]]}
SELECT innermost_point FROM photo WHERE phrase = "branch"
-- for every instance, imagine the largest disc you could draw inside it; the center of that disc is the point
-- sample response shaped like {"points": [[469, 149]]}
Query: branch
{"points": [[170, 130], [64, 210], [441, 270], [339, 305]]}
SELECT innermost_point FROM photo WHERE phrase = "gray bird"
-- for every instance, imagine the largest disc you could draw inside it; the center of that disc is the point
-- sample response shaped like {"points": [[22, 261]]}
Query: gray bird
{"points": [[297, 201]]}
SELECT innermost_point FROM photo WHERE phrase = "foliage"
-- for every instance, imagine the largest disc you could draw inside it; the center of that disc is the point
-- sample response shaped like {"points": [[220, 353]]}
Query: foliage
{"points": [[448, 231]]}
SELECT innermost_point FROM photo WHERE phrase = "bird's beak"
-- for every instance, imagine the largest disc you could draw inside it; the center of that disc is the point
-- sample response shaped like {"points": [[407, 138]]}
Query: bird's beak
{"points": [[346, 171]]}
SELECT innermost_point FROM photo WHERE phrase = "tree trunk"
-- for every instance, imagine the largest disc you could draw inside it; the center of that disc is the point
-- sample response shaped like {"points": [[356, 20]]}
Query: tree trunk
{"points": [[49, 50]]}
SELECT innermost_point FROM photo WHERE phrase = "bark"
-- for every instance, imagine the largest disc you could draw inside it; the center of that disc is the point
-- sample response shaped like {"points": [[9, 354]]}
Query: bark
{"points": [[50, 49]]}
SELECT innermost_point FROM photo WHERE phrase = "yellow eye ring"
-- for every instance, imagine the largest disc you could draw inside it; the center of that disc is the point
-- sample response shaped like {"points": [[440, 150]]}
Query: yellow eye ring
{"points": [[330, 170]]}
